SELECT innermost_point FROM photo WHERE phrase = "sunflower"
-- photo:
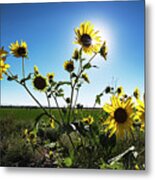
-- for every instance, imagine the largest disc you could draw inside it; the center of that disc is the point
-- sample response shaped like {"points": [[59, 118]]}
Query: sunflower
{"points": [[120, 119], [136, 93], [69, 66], [40, 83], [3, 54], [50, 76], [31, 137], [88, 38], [85, 77], [89, 120], [104, 50], [3, 68], [19, 49], [140, 113]]}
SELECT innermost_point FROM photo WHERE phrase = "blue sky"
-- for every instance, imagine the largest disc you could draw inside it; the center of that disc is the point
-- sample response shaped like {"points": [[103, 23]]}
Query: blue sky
{"points": [[48, 30]]}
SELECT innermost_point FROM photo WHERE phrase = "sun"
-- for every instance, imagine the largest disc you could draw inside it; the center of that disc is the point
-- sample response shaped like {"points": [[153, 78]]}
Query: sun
{"points": [[106, 32]]}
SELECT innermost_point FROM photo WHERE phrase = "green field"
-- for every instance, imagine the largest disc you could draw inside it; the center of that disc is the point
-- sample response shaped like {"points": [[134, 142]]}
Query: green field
{"points": [[98, 150]]}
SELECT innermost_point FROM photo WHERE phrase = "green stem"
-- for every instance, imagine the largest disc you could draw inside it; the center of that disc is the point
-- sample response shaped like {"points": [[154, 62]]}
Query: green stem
{"points": [[73, 85], [33, 97], [57, 104], [48, 102], [76, 98], [72, 95], [71, 141], [23, 68]]}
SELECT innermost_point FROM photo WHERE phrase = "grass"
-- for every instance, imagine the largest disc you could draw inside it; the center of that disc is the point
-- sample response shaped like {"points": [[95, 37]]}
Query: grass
{"points": [[15, 152]]}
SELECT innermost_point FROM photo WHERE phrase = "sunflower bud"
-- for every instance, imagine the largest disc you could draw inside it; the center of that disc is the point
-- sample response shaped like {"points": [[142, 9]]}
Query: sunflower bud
{"points": [[69, 66], [36, 70], [107, 89], [136, 93], [104, 50], [75, 54]]}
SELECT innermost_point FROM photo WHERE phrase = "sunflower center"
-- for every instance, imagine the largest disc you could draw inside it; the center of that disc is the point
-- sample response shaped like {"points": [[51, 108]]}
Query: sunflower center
{"points": [[32, 136], [86, 40], [120, 115], [39, 83], [21, 51], [70, 67]]}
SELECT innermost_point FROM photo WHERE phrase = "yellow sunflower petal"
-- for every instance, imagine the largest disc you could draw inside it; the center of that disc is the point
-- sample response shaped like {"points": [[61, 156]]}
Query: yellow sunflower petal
{"points": [[108, 108]]}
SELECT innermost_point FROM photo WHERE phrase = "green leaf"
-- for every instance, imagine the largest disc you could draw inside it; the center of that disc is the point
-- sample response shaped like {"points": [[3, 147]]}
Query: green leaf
{"points": [[11, 78], [73, 75], [60, 90], [49, 89], [78, 85], [68, 162], [25, 79], [98, 98], [87, 66], [60, 83], [50, 145], [59, 95]]}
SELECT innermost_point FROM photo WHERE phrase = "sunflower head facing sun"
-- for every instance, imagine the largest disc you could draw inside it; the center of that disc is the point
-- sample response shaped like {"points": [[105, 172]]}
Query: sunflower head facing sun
{"points": [[120, 119], [19, 49], [88, 38], [40, 83]]}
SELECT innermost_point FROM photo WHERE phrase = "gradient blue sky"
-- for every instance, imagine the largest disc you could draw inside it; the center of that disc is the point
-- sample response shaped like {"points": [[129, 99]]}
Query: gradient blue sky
{"points": [[48, 30]]}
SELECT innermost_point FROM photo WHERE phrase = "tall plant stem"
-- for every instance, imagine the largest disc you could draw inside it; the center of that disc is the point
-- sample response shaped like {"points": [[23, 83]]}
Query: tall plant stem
{"points": [[57, 104], [23, 67], [48, 102], [73, 86], [76, 98], [72, 95], [33, 97]]}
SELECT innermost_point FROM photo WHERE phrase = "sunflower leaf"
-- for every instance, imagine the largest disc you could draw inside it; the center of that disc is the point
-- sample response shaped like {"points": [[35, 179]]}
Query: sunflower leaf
{"points": [[73, 75], [49, 89], [11, 78], [87, 66], [59, 94], [62, 83], [98, 99], [25, 79]]}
